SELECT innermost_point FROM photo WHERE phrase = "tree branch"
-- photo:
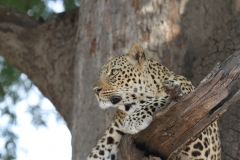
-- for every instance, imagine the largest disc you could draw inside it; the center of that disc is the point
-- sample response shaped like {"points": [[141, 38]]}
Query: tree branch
{"points": [[45, 52], [173, 128], [12, 16]]}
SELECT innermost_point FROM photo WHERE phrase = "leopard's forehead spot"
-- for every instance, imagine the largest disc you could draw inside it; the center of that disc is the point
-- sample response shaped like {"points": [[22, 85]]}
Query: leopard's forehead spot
{"points": [[116, 62]]}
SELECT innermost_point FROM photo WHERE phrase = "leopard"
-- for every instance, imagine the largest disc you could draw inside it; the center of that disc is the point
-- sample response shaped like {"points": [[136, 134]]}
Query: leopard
{"points": [[133, 84]]}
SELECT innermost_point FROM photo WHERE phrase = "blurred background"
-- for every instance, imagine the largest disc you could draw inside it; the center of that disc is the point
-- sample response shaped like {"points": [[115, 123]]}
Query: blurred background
{"points": [[30, 127]]}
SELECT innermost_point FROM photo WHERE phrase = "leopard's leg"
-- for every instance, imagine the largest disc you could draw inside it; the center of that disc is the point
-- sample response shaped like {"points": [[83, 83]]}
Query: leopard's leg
{"points": [[175, 81], [107, 146], [206, 147], [142, 116]]}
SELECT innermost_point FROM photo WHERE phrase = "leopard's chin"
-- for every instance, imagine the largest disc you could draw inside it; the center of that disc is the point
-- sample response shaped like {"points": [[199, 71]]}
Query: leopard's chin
{"points": [[105, 104]]}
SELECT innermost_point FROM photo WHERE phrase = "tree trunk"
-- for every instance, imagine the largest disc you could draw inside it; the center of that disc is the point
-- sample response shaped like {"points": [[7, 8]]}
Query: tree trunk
{"points": [[189, 37]]}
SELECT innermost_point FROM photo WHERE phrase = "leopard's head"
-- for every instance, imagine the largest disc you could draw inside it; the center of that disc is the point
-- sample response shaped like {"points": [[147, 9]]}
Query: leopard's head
{"points": [[125, 81]]}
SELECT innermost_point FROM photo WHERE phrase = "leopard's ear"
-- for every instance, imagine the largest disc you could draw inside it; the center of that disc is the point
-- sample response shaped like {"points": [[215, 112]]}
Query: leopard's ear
{"points": [[136, 54], [110, 57]]}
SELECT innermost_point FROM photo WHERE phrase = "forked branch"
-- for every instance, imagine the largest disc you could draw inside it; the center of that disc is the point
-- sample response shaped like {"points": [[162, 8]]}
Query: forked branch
{"points": [[45, 52]]}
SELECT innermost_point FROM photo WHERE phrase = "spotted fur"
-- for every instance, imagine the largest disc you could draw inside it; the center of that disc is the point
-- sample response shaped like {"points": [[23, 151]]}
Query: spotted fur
{"points": [[134, 84]]}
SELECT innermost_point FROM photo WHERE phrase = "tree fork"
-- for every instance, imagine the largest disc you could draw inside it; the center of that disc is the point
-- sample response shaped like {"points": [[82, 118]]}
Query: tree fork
{"points": [[45, 52], [176, 126]]}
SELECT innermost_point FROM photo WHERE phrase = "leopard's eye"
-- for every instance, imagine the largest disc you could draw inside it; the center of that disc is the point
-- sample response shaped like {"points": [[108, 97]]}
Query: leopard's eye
{"points": [[113, 72]]}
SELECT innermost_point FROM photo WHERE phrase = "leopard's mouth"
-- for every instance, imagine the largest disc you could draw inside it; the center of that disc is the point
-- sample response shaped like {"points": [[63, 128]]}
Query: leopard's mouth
{"points": [[109, 103], [105, 104], [114, 99]]}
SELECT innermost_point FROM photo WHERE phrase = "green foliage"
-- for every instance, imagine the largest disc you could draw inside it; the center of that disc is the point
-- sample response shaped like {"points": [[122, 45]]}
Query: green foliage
{"points": [[10, 144], [9, 77], [8, 74], [35, 7], [38, 120], [14, 88], [70, 4]]}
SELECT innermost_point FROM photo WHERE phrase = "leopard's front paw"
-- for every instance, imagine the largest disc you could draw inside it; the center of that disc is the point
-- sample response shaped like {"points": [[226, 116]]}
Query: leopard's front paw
{"points": [[174, 90], [135, 123]]}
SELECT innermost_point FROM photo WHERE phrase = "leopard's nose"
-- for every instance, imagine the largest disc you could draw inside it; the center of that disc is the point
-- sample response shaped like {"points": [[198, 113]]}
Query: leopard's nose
{"points": [[115, 99], [97, 90]]}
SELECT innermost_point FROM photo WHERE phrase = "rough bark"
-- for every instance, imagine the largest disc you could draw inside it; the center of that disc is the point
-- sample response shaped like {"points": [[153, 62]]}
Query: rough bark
{"points": [[189, 37], [44, 52], [179, 124]]}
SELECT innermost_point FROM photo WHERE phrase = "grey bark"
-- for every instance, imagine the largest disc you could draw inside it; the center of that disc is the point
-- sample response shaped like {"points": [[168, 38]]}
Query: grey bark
{"points": [[45, 52], [189, 37]]}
